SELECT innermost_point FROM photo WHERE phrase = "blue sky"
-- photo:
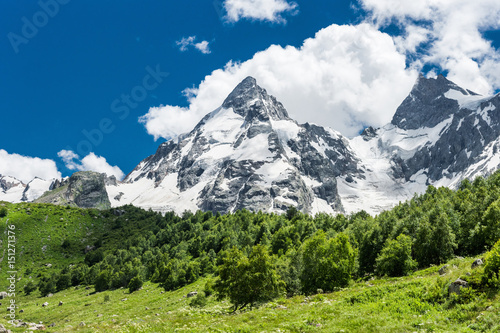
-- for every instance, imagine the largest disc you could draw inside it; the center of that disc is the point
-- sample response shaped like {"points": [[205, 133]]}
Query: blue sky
{"points": [[76, 76]]}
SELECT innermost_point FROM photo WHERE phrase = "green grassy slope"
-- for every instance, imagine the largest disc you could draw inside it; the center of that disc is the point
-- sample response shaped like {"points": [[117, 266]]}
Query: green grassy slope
{"points": [[40, 231], [379, 305]]}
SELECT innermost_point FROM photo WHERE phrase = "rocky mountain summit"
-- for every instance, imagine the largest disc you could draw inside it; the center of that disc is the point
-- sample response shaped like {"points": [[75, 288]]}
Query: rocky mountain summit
{"points": [[468, 123], [246, 154], [440, 135]]}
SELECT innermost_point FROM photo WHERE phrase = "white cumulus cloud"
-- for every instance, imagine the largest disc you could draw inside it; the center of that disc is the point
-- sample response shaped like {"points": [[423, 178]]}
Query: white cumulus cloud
{"points": [[451, 35], [186, 42], [203, 47], [26, 168], [261, 10], [91, 162], [345, 77]]}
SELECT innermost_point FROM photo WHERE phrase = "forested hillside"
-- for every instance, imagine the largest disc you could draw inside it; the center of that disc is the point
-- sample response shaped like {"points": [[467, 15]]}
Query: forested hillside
{"points": [[252, 258]]}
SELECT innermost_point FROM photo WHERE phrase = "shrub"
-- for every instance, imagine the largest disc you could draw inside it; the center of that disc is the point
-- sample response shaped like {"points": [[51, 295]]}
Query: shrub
{"points": [[492, 266], [93, 257], [135, 284], [63, 282], [209, 288], [395, 258], [437, 291], [102, 281], [78, 274], [3, 212], [290, 267], [435, 240], [29, 287], [199, 301], [490, 227], [47, 286]]}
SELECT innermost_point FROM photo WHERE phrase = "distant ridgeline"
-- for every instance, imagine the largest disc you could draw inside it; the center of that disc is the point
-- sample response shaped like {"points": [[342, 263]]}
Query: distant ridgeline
{"points": [[122, 247]]}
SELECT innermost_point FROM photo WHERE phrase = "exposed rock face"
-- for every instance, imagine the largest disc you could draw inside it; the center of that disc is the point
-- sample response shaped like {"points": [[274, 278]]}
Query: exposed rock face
{"points": [[88, 190], [444, 269], [466, 122], [440, 135], [58, 183], [111, 181], [14, 190], [35, 189], [427, 105], [85, 189], [11, 189], [246, 154], [369, 133]]}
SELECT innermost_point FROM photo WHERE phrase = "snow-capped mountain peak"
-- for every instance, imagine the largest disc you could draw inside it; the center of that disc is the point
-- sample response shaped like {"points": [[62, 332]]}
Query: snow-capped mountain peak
{"points": [[439, 135], [252, 102], [248, 153], [14, 190]]}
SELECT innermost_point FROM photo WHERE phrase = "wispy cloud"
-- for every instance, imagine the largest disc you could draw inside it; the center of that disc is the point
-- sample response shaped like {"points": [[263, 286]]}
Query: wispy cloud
{"points": [[25, 168], [91, 162], [259, 10], [186, 42]]}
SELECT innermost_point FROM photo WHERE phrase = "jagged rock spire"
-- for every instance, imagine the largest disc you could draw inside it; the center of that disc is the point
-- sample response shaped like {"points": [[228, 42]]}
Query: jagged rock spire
{"points": [[427, 105], [251, 101]]}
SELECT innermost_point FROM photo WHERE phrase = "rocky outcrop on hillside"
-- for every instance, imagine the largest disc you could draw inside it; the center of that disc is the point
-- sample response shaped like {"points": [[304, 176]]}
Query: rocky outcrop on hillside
{"points": [[85, 189]]}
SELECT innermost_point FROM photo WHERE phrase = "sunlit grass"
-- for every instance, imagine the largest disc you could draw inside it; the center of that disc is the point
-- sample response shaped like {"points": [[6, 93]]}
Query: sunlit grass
{"points": [[378, 305]]}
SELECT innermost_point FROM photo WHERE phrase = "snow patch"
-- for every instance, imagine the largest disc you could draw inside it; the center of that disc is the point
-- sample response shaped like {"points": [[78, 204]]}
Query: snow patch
{"points": [[468, 101], [484, 113], [36, 188]]}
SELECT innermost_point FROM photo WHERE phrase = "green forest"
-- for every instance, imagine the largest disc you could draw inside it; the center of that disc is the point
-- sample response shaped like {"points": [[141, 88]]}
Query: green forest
{"points": [[249, 258]]}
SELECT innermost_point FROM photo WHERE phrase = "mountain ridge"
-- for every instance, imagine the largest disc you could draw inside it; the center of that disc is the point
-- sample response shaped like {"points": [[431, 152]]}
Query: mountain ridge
{"points": [[249, 153]]}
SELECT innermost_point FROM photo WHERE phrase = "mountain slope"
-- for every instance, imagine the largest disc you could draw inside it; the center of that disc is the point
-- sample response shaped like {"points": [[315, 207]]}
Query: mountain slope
{"points": [[246, 154], [440, 135]]}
